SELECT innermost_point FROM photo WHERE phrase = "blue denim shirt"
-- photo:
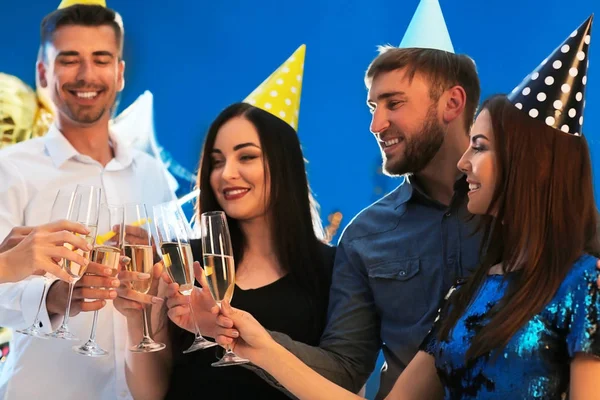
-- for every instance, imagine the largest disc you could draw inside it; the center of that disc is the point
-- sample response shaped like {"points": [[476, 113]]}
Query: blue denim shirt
{"points": [[394, 264]]}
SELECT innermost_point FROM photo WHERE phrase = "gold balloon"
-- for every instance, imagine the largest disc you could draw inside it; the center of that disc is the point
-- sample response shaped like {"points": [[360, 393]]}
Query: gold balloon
{"points": [[45, 114], [18, 110]]}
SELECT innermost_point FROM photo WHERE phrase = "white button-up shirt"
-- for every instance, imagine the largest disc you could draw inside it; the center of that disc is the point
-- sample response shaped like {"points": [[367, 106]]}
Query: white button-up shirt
{"points": [[31, 173]]}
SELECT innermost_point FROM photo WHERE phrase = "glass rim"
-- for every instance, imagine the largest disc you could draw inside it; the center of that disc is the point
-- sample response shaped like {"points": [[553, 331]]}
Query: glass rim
{"points": [[212, 213]]}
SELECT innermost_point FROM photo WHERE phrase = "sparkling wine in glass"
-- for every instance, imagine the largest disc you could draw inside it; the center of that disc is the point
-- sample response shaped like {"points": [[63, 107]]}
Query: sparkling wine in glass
{"points": [[107, 251], [174, 236], [137, 245], [219, 268], [86, 213], [64, 202]]}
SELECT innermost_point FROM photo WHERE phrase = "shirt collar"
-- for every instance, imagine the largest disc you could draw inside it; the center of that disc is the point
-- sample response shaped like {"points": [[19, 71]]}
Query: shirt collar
{"points": [[412, 188], [60, 149]]}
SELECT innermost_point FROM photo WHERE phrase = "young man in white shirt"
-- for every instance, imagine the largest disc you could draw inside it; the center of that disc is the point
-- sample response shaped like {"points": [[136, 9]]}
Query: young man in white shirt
{"points": [[82, 68]]}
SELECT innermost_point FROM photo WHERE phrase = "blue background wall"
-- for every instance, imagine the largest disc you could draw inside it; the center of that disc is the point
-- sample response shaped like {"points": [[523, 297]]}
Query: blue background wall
{"points": [[199, 56]]}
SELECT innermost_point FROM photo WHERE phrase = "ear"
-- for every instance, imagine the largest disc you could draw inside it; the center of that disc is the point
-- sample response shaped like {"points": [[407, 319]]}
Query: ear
{"points": [[121, 76], [41, 72], [454, 101]]}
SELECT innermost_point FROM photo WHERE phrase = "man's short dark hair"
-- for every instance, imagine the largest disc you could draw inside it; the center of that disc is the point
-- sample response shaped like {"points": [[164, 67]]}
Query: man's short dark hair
{"points": [[82, 15]]}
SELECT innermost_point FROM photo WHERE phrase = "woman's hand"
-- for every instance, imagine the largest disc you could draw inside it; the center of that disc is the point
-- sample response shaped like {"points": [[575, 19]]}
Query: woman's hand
{"points": [[202, 304], [130, 302], [243, 332]]}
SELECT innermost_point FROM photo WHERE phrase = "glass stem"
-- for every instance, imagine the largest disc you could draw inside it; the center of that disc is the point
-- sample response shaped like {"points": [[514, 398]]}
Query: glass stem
{"points": [[93, 333], [145, 317], [193, 316], [36, 321], [228, 346], [66, 319]]}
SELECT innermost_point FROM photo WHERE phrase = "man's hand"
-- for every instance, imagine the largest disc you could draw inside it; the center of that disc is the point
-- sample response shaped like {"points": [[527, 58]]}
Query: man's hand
{"points": [[36, 250], [97, 285]]}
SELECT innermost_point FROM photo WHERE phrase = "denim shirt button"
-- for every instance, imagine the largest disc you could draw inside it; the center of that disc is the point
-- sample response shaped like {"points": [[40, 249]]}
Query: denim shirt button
{"points": [[402, 273]]}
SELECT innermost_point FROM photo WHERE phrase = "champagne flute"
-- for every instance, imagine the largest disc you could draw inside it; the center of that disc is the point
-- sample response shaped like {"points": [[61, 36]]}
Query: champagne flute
{"points": [[219, 268], [137, 245], [107, 251], [174, 238], [64, 202], [86, 214]]}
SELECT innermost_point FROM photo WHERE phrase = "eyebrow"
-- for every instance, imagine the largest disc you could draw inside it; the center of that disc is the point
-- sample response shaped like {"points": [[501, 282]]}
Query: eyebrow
{"points": [[386, 95], [237, 147], [71, 53], [474, 138]]}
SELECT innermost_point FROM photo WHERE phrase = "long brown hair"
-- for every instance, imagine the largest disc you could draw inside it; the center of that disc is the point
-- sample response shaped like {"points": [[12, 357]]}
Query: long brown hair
{"points": [[545, 220]]}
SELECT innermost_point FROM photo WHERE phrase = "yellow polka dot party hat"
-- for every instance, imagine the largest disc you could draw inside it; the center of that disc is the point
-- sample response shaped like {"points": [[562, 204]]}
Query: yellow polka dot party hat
{"points": [[279, 94]]}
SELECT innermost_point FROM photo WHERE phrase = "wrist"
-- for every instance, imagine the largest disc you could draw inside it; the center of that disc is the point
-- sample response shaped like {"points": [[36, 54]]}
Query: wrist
{"points": [[269, 353], [52, 305]]}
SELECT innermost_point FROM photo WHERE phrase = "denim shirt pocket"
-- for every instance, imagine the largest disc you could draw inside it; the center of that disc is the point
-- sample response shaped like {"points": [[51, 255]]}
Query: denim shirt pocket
{"points": [[401, 270], [397, 290]]}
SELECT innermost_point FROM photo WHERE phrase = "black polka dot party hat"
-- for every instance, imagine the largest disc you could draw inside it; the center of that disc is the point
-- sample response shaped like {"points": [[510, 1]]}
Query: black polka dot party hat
{"points": [[555, 91]]}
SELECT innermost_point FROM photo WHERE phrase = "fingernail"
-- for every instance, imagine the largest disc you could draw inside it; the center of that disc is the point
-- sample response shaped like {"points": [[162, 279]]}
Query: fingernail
{"points": [[90, 247], [103, 303], [235, 333], [143, 275], [72, 279], [115, 283], [157, 300], [113, 294], [108, 271], [125, 260], [86, 230], [86, 261]]}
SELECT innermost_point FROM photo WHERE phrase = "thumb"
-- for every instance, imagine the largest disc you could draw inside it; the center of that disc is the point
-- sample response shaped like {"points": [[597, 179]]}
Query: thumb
{"points": [[236, 315], [156, 273], [157, 270], [200, 277], [227, 310]]}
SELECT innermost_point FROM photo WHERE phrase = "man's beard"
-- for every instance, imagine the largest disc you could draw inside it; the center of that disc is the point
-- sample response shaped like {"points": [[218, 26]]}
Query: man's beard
{"points": [[85, 116], [419, 150]]}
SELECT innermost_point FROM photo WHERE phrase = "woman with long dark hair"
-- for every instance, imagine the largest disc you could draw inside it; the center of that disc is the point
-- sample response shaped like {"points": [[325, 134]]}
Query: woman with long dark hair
{"points": [[525, 325], [252, 168]]}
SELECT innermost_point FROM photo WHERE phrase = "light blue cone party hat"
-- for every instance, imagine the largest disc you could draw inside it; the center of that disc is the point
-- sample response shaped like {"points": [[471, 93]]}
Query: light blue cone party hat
{"points": [[427, 29]]}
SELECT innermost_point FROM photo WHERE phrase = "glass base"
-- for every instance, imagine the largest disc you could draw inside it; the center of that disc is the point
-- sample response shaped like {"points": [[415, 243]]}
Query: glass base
{"points": [[62, 333], [90, 349], [230, 359], [147, 345], [200, 344], [33, 331]]}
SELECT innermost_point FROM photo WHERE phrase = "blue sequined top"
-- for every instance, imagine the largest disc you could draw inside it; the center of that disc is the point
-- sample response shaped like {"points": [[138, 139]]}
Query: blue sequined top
{"points": [[536, 362]]}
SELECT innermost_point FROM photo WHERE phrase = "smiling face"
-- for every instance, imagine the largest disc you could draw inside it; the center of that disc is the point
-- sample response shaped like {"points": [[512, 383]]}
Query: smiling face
{"points": [[83, 73], [405, 121], [239, 177], [478, 163]]}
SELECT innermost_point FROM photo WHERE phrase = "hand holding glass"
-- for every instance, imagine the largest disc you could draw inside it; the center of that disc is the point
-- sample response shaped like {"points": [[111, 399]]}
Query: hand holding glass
{"points": [[219, 268], [174, 237], [107, 251]]}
